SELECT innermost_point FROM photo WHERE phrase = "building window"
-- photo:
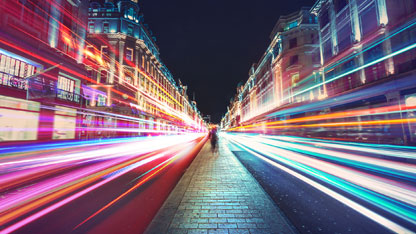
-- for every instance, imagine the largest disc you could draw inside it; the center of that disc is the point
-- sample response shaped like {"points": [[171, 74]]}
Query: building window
{"points": [[291, 25], [66, 84], [129, 54], [360, 2], [314, 38], [91, 26], [90, 74], [293, 43], [316, 58], [339, 5], [344, 37], [104, 51], [324, 18], [294, 60], [130, 29], [312, 19], [103, 77], [295, 79], [89, 52], [368, 20], [106, 27], [143, 58], [327, 50]]}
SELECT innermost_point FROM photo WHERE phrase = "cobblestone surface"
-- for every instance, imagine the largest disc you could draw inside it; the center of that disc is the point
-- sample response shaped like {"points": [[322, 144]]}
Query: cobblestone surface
{"points": [[218, 195]]}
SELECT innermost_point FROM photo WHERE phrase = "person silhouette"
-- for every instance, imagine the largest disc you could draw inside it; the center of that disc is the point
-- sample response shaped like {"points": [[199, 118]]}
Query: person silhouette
{"points": [[214, 141]]}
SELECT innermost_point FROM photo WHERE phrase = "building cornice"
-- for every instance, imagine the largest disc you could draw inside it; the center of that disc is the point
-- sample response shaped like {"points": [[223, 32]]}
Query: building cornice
{"points": [[118, 36]]}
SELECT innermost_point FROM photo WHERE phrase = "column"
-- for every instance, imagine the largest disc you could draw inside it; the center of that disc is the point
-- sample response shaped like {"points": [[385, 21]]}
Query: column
{"points": [[355, 21], [382, 12], [333, 26], [136, 62], [121, 45], [113, 45]]}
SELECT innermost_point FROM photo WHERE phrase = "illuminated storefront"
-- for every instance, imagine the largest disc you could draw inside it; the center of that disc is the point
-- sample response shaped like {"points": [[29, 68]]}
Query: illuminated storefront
{"points": [[19, 119], [64, 123], [14, 69]]}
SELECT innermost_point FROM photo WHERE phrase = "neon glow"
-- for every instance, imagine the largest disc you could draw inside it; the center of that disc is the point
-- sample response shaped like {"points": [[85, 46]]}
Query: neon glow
{"points": [[339, 169]]}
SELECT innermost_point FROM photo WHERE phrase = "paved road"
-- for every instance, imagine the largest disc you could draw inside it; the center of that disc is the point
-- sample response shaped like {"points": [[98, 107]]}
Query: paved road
{"points": [[334, 187], [218, 195]]}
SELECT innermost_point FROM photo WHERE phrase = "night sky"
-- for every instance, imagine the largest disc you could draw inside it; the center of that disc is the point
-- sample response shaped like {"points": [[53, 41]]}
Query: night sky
{"points": [[210, 45]]}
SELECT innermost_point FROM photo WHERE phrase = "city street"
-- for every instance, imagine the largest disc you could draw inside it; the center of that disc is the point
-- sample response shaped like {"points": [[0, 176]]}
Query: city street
{"points": [[208, 117]]}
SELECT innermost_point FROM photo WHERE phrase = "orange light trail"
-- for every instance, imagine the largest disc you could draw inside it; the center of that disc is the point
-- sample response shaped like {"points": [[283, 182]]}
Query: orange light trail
{"points": [[379, 110]]}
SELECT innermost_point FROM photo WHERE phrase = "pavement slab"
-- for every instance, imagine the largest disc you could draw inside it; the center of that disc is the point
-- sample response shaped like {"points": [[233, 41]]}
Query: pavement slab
{"points": [[218, 195]]}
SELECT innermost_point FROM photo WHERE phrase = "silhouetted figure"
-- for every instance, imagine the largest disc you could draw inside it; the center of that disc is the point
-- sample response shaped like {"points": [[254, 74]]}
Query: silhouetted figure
{"points": [[214, 141]]}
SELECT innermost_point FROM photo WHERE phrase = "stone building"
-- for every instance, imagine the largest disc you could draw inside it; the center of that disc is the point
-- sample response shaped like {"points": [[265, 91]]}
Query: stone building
{"points": [[287, 70], [129, 75]]}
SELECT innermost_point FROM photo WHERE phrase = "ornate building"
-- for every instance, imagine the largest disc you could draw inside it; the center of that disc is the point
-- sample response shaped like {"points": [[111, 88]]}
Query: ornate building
{"points": [[58, 83], [367, 64], [287, 68], [129, 76], [295, 63]]}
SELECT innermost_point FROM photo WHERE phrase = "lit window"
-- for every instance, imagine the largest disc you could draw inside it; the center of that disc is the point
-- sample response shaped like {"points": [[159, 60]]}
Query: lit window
{"points": [[91, 26], [143, 61], [129, 54], [291, 25], [295, 79], [106, 27], [88, 52]]}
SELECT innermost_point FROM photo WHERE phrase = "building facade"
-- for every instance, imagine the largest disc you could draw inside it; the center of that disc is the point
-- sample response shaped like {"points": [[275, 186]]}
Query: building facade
{"points": [[295, 61], [369, 45], [41, 49], [127, 74], [289, 66], [79, 69], [337, 74]]}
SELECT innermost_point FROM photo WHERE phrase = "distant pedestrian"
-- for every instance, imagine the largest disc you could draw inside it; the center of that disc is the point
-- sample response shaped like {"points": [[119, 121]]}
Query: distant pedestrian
{"points": [[214, 141]]}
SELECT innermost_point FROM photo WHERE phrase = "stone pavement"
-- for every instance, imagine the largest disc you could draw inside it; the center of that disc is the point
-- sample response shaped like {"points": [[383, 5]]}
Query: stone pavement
{"points": [[218, 195]]}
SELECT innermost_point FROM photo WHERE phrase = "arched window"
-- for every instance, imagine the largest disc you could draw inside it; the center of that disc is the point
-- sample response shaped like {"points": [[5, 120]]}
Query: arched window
{"points": [[95, 6], [109, 6]]}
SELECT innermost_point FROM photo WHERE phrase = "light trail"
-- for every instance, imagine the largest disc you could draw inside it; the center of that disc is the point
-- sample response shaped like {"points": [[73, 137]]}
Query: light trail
{"points": [[336, 115], [387, 183], [85, 169], [407, 48], [155, 170]]}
